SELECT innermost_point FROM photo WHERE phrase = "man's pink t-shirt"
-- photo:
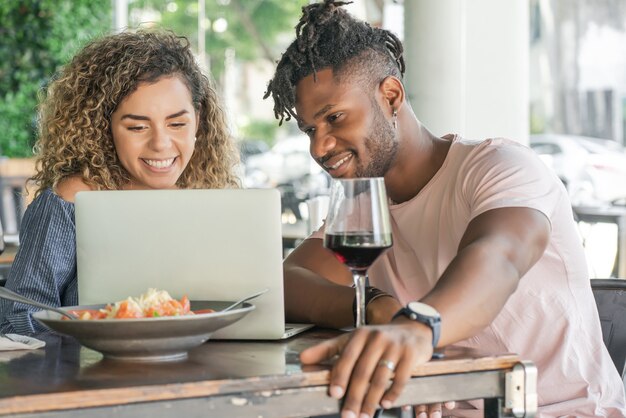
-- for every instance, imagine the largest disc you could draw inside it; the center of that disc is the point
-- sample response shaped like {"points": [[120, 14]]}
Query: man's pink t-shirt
{"points": [[551, 318]]}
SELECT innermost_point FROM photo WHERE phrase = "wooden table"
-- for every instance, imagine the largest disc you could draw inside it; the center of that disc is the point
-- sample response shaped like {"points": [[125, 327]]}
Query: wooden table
{"points": [[611, 214], [235, 379], [8, 255]]}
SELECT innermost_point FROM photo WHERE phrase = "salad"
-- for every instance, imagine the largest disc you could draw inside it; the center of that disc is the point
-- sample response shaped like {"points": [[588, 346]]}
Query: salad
{"points": [[154, 303]]}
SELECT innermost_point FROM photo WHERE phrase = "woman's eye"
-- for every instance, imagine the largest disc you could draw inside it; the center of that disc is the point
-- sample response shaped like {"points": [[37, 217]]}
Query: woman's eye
{"points": [[178, 124], [136, 128]]}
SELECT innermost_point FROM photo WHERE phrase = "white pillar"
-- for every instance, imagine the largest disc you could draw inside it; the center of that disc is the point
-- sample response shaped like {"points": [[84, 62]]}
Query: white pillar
{"points": [[202, 35], [467, 66], [120, 15]]}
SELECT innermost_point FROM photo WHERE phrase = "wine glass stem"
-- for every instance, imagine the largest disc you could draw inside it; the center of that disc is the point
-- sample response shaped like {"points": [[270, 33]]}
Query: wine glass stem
{"points": [[359, 285]]}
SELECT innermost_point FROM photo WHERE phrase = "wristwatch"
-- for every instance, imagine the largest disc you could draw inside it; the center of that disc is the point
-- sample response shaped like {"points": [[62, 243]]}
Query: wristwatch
{"points": [[426, 314]]}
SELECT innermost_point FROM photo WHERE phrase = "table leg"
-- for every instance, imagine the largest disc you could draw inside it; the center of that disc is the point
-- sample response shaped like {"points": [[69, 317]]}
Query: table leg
{"points": [[621, 247], [493, 408]]}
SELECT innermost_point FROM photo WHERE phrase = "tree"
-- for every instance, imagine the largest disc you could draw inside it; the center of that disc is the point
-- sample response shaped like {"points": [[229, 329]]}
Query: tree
{"points": [[252, 28], [36, 38], [250, 31]]}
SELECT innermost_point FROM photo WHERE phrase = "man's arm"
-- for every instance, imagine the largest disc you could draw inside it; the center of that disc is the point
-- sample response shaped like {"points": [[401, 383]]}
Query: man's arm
{"points": [[497, 249], [317, 289]]}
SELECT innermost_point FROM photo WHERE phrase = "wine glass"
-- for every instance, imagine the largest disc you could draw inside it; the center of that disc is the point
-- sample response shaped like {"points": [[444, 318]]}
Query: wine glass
{"points": [[358, 229]]}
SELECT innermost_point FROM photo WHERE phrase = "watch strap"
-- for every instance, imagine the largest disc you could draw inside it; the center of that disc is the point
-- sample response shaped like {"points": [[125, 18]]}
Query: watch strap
{"points": [[434, 323], [371, 294]]}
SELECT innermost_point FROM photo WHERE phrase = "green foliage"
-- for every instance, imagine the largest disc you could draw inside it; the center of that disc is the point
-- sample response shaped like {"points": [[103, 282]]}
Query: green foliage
{"points": [[36, 38], [537, 119], [260, 129], [253, 26]]}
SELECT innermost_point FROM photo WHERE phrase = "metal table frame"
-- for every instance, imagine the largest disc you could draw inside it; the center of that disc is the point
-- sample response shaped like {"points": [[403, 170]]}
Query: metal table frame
{"points": [[506, 393]]}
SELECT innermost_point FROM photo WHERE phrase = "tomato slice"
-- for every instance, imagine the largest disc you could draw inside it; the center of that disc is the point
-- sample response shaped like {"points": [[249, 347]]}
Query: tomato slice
{"points": [[87, 314], [186, 305], [127, 311], [203, 311]]}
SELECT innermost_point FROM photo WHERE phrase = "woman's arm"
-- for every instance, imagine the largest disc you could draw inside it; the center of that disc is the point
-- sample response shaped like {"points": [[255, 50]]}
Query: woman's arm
{"points": [[44, 268]]}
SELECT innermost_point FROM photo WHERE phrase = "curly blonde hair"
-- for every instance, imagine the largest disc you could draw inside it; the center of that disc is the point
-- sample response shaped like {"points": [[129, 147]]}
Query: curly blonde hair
{"points": [[75, 136]]}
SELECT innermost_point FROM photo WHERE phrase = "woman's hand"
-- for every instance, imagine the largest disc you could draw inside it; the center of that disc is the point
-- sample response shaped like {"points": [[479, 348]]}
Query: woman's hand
{"points": [[367, 360]]}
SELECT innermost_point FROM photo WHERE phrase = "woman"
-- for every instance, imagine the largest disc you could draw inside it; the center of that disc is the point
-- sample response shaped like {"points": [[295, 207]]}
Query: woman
{"points": [[130, 111]]}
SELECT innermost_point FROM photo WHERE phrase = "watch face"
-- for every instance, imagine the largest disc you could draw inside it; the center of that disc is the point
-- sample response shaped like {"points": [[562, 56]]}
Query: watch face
{"points": [[423, 309]]}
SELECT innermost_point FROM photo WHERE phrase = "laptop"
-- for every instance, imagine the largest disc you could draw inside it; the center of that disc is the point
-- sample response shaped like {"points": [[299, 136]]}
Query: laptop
{"points": [[207, 244]]}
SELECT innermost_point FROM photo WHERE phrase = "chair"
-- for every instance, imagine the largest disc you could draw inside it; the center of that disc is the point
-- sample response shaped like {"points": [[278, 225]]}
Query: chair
{"points": [[610, 295], [2, 246], [14, 175]]}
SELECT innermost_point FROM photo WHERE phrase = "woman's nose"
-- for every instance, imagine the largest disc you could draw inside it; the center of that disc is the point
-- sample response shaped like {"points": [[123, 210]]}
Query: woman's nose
{"points": [[160, 139]]}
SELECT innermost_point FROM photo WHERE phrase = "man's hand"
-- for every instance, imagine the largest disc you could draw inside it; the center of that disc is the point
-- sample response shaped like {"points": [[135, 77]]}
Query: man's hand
{"points": [[367, 360], [433, 410], [380, 311]]}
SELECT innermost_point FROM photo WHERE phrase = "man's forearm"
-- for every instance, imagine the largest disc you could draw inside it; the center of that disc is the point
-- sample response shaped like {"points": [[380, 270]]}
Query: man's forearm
{"points": [[472, 291], [312, 299]]}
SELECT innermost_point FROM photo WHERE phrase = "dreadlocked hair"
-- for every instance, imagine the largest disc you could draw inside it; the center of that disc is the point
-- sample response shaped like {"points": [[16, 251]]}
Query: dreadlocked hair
{"points": [[329, 37]]}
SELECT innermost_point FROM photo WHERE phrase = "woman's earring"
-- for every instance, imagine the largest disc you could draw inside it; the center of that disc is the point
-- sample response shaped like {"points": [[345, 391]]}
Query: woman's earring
{"points": [[394, 115], [195, 139]]}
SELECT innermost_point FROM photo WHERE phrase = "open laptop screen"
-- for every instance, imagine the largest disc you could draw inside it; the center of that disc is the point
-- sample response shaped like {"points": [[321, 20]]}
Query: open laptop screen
{"points": [[206, 244]]}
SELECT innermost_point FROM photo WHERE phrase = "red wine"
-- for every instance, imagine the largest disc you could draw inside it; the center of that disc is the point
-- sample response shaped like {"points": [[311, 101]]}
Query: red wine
{"points": [[357, 250]]}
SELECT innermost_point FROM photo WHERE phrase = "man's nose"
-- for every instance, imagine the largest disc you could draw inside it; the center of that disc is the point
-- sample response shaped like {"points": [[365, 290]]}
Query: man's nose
{"points": [[321, 143]]}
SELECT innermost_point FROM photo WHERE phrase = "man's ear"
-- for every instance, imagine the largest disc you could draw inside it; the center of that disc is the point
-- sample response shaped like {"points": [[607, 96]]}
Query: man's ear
{"points": [[392, 92]]}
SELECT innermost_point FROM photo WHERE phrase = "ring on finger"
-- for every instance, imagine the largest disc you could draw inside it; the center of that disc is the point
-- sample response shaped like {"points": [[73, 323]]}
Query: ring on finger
{"points": [[387, 364]]}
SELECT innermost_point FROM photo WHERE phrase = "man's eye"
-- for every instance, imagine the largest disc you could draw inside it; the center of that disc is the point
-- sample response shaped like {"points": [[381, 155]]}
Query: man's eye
{"points": [[334, 117]]}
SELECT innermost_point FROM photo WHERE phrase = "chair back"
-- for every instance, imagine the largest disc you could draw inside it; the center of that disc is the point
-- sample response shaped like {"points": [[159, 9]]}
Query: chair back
{"points": [[610, 295], [2, 246]]}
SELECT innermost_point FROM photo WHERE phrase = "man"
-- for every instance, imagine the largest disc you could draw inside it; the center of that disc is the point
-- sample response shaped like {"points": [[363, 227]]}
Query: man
{"points": [[483, 233]]}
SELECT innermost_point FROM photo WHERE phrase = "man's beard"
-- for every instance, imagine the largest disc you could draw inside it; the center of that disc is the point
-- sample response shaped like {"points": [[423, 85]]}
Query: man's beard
{"points": [[381, 145]]}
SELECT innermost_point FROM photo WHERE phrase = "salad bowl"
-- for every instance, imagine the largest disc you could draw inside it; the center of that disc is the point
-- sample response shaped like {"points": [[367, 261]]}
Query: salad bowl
{"points": [[162, 338]]}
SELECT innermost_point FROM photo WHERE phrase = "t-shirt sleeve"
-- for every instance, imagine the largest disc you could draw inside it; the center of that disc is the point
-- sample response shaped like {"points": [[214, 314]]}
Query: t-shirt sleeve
{"points": [[319, 233], [44, 268], [501, 173]]}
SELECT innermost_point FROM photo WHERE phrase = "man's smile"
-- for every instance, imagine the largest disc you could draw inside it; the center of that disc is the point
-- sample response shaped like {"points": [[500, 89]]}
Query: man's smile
{"points": [[335, 164]]}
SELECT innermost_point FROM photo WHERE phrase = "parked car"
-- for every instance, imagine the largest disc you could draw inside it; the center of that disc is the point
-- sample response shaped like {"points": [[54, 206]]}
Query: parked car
{"points": [[592, 169], [288, 166], [248, 147], [288, 161]]}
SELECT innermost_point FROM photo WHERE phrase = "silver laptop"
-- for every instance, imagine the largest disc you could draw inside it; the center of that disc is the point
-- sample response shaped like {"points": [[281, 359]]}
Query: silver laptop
{"points": [[206, 244]]}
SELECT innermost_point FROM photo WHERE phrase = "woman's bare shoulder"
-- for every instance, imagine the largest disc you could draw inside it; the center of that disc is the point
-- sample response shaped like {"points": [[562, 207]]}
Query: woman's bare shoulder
{"points": [[69, 186]]}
